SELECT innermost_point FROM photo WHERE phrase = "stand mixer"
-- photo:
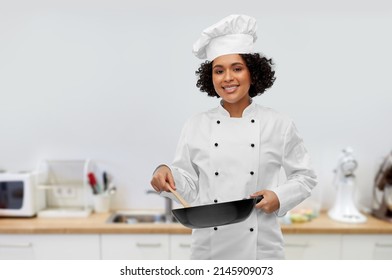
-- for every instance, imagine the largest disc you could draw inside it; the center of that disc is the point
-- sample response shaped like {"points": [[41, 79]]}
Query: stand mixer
{"points": [[382, 191], [344, 209]]}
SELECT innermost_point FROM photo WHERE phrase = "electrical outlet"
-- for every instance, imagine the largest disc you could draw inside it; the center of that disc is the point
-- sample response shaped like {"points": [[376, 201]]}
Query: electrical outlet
{"points": [[65, 192]]}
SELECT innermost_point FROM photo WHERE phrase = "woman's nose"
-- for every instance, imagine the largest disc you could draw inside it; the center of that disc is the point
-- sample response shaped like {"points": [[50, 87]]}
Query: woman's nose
{"points": [[228, 76]]}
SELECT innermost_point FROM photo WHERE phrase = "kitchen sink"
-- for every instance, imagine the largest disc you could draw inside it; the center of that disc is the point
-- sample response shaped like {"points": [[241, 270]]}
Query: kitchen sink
{"points": [[136, 218]]}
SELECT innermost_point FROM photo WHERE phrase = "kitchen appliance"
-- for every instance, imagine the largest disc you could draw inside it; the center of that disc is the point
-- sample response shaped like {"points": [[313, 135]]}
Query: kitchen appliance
{"points": [[344, 209], [19, 196], [217, 214], [382, 191]]}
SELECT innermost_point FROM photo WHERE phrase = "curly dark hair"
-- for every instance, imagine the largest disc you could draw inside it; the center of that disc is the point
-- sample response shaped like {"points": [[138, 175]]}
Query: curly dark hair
{"points": [[261, 73]]}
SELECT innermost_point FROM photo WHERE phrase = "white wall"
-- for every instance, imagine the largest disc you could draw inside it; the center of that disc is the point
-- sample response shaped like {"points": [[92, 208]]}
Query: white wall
{"points": [[114, 81]]}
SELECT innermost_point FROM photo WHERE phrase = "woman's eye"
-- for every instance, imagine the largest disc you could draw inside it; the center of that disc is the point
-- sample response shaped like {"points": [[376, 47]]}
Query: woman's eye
{"points": [[218, 72], [237, 69]]}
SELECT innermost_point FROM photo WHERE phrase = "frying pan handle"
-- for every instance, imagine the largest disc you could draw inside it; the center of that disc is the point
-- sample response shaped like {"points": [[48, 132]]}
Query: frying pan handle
{"points": [[259, 198]]}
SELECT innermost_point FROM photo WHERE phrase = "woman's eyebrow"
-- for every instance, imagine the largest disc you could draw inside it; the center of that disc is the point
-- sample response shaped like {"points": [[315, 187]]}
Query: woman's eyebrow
{"points": [[233, 64]]}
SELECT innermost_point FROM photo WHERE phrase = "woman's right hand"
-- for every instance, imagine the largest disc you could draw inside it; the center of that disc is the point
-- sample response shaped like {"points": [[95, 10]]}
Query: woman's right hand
{"points": [[162, 179]]}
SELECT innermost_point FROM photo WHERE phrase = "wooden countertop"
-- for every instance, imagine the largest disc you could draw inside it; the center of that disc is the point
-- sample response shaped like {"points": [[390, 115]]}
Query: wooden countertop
{"points": [[324, 225], [96, 224]]}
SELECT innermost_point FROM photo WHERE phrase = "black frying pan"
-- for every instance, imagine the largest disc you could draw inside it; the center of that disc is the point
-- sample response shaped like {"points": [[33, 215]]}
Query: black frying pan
{"points": [[217, 214]]}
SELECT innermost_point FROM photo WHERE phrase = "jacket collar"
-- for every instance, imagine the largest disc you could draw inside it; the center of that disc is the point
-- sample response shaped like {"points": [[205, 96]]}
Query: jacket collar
{"points": [[247, 112]]}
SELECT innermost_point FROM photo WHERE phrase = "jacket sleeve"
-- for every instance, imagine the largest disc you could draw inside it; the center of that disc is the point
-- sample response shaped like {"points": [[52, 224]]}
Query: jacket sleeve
{"points": [[301, 178], [184, 172]]}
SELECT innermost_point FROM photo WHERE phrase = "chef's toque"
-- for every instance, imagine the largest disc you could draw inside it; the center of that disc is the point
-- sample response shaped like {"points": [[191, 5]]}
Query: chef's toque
{"points": [[233, 34]]}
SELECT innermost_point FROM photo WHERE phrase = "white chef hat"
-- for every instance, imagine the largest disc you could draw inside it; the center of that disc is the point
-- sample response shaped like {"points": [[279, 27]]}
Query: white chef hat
{"points": [[233, 34]]}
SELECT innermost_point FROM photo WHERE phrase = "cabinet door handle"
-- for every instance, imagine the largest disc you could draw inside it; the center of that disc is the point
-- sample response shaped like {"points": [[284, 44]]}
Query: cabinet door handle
{"points": [[305, 245], [185, 245], [148, 245], [389, 245], [16, 245]]}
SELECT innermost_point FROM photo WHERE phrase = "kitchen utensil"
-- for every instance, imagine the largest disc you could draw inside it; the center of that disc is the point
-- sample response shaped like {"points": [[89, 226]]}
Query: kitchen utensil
{"points": [[382, 191], [217, 214], [179, 197], [344, 209], [112, 190], [105, 181], [93, 182]]}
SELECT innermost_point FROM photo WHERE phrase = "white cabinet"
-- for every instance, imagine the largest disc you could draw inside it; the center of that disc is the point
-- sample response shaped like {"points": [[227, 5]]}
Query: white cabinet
{"points": [[67, 246], [49, 246], [367, 247], [177, 246], [312, 246], [94, 246], [180, 246], [145, 246], [135, 246], [338, 246], [16, 247]]}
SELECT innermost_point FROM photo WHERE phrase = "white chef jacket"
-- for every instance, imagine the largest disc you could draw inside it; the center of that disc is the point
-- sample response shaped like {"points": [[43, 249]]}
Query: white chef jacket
{"points": [[220, 159]]}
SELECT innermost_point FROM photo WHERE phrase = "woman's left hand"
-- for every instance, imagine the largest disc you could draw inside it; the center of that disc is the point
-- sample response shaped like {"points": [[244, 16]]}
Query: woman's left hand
{"points": [[270, 202]]}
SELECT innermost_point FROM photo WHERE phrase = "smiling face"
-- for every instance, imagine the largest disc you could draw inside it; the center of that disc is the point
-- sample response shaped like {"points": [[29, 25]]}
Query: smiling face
{"points": [[231, 80]]}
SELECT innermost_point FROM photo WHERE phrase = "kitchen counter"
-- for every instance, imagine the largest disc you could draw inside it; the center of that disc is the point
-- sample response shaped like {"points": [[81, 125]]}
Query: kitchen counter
{"points": [[96, 224]]}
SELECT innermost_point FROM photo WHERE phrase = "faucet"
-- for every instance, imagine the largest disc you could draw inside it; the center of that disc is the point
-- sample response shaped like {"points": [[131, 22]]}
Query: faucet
{"points": [[168, 207]]}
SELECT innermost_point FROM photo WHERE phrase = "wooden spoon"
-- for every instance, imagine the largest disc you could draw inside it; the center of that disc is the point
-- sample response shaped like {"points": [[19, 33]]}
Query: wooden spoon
{"points": [[179, 197]]}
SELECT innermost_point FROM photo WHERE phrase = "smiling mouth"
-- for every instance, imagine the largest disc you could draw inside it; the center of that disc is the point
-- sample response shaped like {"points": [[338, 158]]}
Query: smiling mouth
{"points": [[230, 89]]}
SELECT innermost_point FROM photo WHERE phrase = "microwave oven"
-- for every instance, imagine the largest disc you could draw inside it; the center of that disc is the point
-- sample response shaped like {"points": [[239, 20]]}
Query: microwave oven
{"points": [[19, 196]]}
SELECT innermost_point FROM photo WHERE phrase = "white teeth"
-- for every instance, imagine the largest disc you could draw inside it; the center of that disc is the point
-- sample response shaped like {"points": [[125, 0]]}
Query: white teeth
{"points": [[232, 88]]}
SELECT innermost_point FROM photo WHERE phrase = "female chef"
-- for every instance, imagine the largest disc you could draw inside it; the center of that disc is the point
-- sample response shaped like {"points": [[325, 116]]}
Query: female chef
{"points": [[238, 149]]}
